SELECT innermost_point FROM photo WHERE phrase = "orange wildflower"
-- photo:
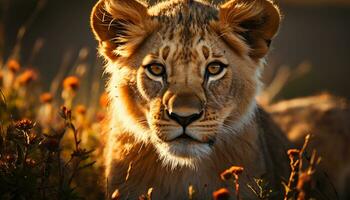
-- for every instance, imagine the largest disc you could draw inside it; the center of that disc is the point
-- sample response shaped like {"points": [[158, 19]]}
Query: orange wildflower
{"points": [[229, 173], [80, 109], [234, 172], [221, 194], [71, 83], [26, 77], [13, 65], [46, 97]]}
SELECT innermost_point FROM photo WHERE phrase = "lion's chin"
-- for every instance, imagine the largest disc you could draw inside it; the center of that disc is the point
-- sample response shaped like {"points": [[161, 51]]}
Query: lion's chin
{"points": [[183, 152]]}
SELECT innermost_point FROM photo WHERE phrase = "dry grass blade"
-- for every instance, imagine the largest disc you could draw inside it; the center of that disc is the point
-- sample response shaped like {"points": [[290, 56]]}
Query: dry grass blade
{"points": [[128, 172], [300, 181]]}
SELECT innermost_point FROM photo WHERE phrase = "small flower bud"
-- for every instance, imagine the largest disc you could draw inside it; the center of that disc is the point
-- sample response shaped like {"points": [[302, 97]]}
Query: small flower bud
{"points": [[71, 83], [46, 98], [221, 194], [232, 171], [13, 65], [81, 109], [27, 77]]}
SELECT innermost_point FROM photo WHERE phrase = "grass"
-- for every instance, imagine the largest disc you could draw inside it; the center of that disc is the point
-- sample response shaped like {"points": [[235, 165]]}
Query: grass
{"points": [[46, 152]]}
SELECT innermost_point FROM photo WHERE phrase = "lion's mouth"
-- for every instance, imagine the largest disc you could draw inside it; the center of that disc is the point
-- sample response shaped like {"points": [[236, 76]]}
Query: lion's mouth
{"points": [[188, 139], [184, 136]]}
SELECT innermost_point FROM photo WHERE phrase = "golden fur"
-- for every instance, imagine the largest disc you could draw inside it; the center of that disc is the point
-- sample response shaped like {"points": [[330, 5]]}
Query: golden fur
{"points": [[150, 142]]}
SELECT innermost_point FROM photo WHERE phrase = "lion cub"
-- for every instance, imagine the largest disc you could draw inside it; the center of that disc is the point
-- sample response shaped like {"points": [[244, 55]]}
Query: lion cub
{"points": [[184, 75]]}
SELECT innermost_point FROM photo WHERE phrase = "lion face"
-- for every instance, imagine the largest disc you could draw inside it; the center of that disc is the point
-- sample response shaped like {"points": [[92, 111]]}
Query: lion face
{"points": [[191, 92], [185, 73]]}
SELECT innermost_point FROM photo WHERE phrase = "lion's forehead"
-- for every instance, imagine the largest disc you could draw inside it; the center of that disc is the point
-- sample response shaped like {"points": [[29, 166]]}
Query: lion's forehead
{"points": [[184, 20], [184, 12]]}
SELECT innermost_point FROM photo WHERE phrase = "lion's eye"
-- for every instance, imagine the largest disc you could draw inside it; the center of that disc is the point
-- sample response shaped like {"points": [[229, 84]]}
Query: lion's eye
{"points": [[215, 68], [156, 69]]}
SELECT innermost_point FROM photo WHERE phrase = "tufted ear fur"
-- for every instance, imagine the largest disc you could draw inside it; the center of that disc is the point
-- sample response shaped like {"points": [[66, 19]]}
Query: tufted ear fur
{"points": [[257, 21], [120, 26]]}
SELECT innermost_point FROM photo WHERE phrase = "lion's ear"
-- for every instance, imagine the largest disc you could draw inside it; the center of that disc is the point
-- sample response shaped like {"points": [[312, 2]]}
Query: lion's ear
{"points": [[120, 26], [257, 21]]}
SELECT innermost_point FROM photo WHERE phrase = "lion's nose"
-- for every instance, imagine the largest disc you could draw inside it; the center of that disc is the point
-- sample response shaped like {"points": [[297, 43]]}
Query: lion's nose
{"points": [[185, 120], [185, 108]]}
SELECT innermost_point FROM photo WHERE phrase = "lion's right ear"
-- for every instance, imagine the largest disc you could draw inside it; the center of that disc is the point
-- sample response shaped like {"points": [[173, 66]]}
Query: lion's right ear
{"points": [[120, 26], [256, 21]]}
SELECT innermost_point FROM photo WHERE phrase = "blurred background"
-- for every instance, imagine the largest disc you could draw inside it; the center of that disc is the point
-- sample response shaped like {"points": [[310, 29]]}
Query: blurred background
{"points": [[312, 45]]}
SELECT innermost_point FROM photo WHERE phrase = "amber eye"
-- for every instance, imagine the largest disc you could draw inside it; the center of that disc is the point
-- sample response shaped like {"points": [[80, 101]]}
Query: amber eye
{"points": [[215, 68], [156, 69]]}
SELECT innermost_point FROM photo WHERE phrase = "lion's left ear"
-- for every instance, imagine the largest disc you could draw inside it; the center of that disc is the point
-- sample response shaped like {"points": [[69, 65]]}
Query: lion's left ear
{"points": [[120, 26], [257, 21]]}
